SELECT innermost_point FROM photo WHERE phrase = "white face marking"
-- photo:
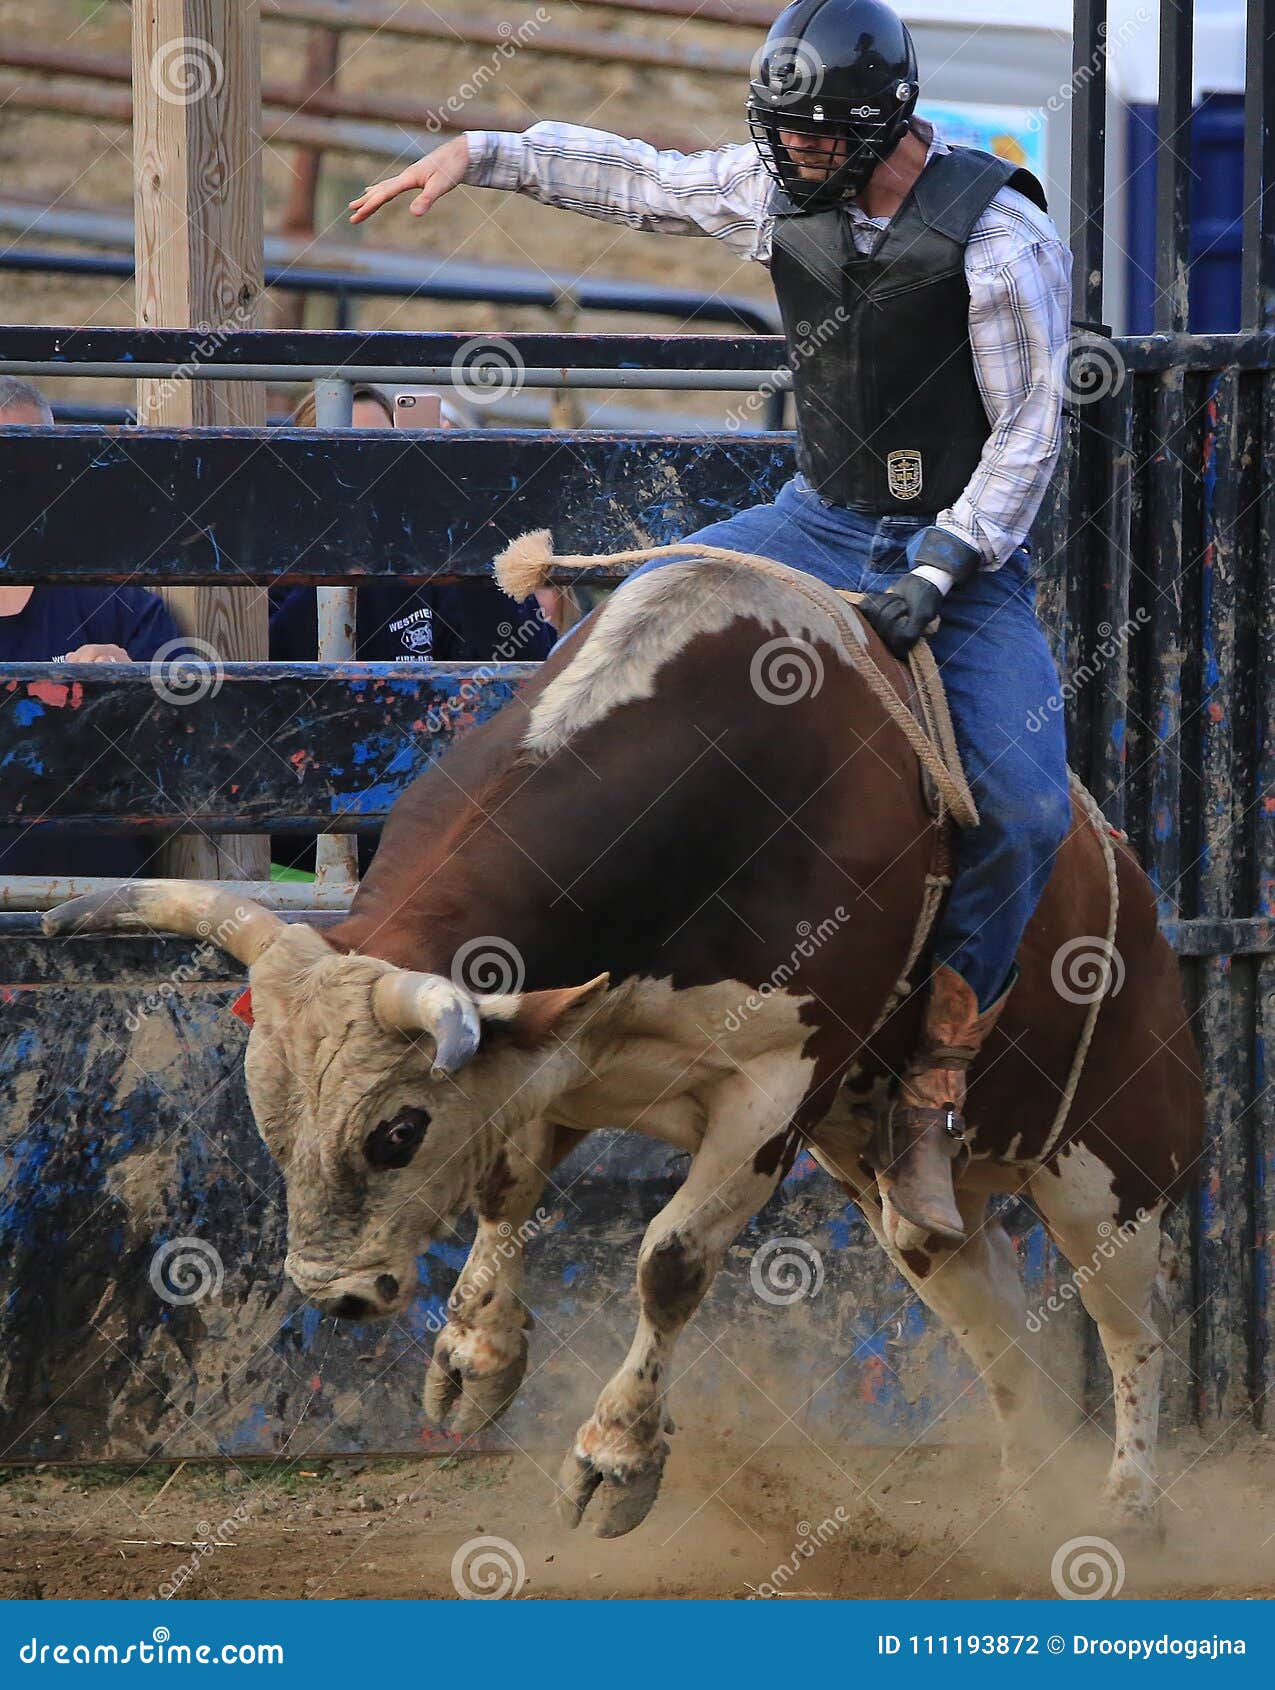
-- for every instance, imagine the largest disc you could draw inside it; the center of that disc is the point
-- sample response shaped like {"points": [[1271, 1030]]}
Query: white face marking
{"points": [[651, 620]]}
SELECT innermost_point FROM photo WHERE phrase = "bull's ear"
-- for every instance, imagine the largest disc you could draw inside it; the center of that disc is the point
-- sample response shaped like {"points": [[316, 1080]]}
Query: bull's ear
{"points": [[531, 1018]]}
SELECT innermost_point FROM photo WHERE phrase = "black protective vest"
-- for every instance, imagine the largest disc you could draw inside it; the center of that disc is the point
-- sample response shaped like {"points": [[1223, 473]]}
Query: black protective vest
{"points": [[889, 415]]}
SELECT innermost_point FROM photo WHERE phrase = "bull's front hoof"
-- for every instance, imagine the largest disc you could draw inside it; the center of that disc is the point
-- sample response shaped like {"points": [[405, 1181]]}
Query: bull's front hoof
{"points": [[473, 1378], [1132, 1522], [618, 1496]]}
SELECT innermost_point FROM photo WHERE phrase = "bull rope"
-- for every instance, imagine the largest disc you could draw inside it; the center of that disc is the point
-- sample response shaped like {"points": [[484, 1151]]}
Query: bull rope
{"points": [[525, 564], [1102, 828]]}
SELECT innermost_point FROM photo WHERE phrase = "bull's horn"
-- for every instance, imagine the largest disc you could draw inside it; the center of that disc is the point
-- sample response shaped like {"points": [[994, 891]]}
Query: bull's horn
{"points": [[236, 925], [406, 1002]]}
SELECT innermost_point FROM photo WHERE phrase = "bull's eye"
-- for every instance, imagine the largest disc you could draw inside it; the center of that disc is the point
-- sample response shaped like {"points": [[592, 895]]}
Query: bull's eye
{"points": [[393, 1143]]}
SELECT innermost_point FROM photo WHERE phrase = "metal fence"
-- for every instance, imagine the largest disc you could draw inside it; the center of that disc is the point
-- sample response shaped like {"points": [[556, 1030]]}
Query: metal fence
{"points": [[1161, 597], [1156, 556]]}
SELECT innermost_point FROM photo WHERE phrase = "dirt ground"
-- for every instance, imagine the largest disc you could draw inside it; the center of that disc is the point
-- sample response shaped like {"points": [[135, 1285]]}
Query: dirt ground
{"points": [[734, 1521]]}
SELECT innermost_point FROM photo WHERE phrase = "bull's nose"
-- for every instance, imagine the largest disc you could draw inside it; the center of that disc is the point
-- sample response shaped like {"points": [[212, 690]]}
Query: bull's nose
{"points": [[350, 1307]]}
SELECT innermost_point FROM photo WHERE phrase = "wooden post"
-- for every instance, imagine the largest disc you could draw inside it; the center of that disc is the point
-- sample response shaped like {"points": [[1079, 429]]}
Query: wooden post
{"points": [[199, 241]]}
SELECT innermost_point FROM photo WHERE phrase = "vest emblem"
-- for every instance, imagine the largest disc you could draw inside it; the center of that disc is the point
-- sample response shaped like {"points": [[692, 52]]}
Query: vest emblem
{"points": [[903, 474]]}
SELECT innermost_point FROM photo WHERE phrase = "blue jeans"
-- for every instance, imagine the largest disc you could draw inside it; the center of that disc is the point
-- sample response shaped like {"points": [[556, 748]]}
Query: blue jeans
{"points": [[1004, 693]]}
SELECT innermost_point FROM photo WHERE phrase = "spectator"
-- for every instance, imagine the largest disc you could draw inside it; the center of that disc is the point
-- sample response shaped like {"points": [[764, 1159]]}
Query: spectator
{"points": [[465, 621], [72, 625]]}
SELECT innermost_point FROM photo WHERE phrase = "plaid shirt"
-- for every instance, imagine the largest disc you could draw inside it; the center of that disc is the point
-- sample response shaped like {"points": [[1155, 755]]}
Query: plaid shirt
{"points": [[1018, 270]]}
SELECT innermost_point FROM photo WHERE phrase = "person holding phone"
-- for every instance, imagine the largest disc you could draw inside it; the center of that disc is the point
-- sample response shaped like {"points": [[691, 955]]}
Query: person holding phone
{"points": [[452, 622], [447, 622]]}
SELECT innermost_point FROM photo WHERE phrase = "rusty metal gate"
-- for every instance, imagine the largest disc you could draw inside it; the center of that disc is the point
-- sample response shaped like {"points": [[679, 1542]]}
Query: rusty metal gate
{"points": [[125, 1141]]}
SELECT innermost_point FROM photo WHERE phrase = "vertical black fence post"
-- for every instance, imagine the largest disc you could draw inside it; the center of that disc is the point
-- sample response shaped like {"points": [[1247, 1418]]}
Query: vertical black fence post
{"points": [[1162, 566], [1163, 560], [1224, 1240], [1259, 168], [1088, 155], [1173, 167], [1086, 491], [1259, 313], [1085, 550]]}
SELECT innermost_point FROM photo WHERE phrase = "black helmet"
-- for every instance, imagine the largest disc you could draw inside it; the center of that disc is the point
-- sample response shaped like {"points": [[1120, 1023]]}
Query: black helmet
{"points": [[833, 67]]}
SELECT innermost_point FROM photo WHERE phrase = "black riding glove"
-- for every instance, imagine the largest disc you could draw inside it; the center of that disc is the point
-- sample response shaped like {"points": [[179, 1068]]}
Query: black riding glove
{"points": [[902, 615], [911, 608]]}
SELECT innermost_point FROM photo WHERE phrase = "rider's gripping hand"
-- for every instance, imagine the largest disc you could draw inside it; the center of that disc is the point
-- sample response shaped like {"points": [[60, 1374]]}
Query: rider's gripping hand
{"points": [[902, 615], [429, 178], [910, 608]]}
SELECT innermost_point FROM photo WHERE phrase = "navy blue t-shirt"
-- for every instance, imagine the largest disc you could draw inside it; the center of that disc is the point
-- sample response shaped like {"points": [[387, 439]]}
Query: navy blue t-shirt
{"points": [[463, 621], [53, 622]]}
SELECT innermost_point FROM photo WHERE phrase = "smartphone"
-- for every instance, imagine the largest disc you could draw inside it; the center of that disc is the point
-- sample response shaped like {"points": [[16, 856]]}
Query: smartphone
{"points": [[418, 407]]}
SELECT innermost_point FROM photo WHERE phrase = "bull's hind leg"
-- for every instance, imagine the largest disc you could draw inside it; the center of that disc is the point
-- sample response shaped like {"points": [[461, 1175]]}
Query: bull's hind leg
{"points": [[975, 1288], [616, 1462], [1118, 1272], [480, 1355]]}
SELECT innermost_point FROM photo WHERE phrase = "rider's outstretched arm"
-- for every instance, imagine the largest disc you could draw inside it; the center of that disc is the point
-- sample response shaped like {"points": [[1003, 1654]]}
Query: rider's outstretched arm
{"points": [[723, 192]]}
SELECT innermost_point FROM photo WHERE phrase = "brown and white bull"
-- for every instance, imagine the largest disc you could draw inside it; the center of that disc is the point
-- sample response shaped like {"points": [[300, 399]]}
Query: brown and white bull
{"points": [[643, 835]]}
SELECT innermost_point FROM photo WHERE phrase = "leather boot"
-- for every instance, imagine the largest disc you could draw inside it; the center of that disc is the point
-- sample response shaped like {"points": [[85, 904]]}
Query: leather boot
{"points": [[926, 1120]]}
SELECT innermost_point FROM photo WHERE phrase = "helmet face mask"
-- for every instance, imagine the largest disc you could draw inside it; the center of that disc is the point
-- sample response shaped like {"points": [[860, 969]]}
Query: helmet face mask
{"points": [[832, 94], [795, 148]]}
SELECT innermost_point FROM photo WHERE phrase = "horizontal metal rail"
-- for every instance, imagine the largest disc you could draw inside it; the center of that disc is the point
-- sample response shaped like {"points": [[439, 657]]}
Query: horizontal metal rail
{"points": [[515, 410], [432, 375], [22, 892], [27, 895], [234, 747], [208, 505], [426, 374], [68, 351], [552, 359], [499, 285]]}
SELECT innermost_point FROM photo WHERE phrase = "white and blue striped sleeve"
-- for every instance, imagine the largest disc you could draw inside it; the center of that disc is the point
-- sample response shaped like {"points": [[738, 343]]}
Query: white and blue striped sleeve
{"points": [[723, 192], [1019, 275]]}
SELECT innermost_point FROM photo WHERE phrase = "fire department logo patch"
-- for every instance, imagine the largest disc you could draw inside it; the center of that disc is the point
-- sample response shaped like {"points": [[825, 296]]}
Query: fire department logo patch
{"points": [[903, 473]]}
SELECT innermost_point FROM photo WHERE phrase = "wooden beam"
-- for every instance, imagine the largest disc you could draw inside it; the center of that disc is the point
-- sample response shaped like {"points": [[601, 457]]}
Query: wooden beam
{"points": [[200, 264], [87, 101], [608, 46], [396, 126], [742, 14]]}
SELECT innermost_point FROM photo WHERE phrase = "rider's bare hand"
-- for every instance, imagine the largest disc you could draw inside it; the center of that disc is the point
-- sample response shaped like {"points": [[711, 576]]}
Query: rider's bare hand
{"points": [[429, 179]]}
